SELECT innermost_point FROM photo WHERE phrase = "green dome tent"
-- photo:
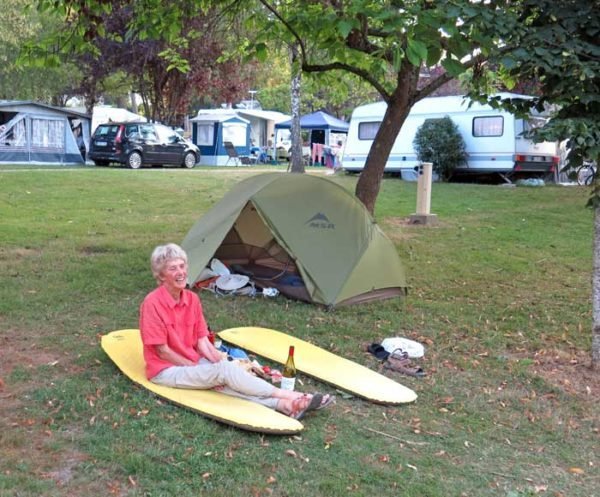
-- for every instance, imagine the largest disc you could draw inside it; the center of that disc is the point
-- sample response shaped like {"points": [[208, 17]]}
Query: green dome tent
{"points": [[304, 235]]}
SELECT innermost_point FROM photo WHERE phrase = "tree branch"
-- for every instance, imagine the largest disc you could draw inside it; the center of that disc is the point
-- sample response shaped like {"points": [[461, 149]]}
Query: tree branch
{"points": [[444, 78], [288, 26], [355, 44], [361, 73]]}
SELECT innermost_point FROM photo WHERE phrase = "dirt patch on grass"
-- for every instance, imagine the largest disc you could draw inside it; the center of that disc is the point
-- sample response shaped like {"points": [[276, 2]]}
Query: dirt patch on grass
{"points": [[30, 439], [570, 372], [17, 350], [89, 250], [18, 253], [18, 356], [401, 229]]}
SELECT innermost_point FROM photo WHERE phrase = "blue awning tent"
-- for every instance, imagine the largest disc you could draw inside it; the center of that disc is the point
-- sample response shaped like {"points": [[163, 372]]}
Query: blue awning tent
{"points": [[323, 130], [318, 120]]}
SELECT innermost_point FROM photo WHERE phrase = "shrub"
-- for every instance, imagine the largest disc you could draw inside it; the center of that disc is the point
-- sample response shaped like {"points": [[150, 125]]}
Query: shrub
{"points": [[439, 141]]}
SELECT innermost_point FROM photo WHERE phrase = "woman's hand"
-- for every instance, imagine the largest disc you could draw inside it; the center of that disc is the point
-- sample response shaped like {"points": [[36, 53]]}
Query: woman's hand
{"points": [[208, 350]]}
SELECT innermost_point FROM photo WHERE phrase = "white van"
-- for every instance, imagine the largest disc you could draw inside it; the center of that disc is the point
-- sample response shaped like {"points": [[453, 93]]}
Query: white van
{"points": [[493, 138]]}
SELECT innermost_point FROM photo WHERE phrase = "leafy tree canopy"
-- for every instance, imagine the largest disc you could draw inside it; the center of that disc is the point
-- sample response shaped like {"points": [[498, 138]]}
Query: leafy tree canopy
{"points": [[169, 51], [20, 25], [558, 47], [387, 44]]}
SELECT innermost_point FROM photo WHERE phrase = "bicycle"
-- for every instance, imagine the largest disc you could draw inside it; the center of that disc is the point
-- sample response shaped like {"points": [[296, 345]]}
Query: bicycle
{"points": [[586, 174]]}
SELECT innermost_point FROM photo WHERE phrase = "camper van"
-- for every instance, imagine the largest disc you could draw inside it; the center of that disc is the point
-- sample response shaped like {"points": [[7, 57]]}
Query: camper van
{"points": [[494, 138]]}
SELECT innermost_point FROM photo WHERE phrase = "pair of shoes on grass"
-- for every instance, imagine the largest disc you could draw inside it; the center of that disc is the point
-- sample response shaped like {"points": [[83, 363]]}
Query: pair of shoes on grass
{"points": [[402, 364], [397, 360]]}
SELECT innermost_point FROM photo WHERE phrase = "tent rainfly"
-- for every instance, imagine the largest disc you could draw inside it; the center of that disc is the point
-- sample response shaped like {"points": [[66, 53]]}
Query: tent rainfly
{"points": [[306, 236], [318, 120]]}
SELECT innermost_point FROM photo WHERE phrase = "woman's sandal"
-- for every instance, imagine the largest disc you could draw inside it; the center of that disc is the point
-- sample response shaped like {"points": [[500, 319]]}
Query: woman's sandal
{"points": [[318, 401], [326, 400]]}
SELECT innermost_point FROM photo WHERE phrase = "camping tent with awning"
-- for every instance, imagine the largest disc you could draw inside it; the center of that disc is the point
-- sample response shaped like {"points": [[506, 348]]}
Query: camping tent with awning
{"points": [[318, 120], [325, 130], [305, 235]]}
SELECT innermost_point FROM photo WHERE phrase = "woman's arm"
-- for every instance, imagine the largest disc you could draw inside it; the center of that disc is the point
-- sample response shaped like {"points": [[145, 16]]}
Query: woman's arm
{"points": [[208, 350], [167, 354]]}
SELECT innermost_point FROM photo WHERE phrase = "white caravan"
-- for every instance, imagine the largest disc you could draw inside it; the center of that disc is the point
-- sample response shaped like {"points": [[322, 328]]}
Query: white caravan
{"points": [[493, 138]]}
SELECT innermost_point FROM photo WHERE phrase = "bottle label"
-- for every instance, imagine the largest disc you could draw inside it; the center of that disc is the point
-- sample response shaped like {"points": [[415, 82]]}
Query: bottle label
{"points": [[288, 383]]}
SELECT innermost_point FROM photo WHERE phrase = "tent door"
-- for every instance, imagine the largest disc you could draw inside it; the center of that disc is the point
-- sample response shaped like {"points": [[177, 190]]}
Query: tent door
{"points": [[250, 248]]}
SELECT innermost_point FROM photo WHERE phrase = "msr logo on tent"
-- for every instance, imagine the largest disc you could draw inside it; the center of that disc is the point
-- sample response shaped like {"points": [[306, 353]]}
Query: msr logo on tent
{"points": [[320, 221]]}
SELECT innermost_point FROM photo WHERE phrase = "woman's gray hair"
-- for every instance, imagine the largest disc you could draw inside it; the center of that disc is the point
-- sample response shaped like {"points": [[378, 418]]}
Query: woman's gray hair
{"points": [[162, 254]]}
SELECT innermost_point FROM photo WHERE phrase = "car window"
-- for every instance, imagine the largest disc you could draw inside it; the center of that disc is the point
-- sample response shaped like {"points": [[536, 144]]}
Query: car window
{"points": [[166, 135], [130, 129], [106, 130], [147, 132]]}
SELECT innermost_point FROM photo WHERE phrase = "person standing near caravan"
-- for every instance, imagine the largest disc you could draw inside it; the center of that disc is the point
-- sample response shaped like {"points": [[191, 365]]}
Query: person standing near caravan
{"points": [[336, 154], [177, 350], [337, 159]]}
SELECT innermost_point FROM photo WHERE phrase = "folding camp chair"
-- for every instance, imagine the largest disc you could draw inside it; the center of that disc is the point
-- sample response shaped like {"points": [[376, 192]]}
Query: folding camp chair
{"points": [[232, 154]]}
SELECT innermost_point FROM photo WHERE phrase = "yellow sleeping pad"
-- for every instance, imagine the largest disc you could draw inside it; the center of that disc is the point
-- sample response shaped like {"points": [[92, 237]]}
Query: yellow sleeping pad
{"points": [[124, 347], [321, 364]]}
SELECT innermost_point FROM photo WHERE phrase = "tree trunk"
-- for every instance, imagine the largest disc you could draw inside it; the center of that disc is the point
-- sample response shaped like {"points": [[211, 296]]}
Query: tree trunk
{"points": [[295, 158], [398, 107], [596, 293]]}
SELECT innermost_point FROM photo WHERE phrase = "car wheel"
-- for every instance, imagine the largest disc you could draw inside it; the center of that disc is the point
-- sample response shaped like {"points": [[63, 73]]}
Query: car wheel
{"points": [[134, 160], [101, 163], [189, 160]]}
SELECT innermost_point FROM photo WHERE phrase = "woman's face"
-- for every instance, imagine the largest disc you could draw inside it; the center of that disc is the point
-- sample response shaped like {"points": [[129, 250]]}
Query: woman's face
{"points": [[174, 276]]}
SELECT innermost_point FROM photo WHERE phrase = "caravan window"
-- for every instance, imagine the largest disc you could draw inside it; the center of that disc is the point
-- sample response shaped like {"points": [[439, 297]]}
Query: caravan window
{"points": [[205, 134], [488, 126], [367, 131], [235, 133], [14, 136], [48, 133]]}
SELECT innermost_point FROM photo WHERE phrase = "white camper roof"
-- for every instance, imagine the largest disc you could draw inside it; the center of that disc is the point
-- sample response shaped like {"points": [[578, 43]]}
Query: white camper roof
{"points": [[103, 114], [449, 104]]}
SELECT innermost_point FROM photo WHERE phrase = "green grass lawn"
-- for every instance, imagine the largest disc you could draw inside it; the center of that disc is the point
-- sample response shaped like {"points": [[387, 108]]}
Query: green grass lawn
{"points": [[499, 294]]}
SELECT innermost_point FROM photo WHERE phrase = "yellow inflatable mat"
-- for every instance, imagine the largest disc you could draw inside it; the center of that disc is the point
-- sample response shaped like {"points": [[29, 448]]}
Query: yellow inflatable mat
{"points": [[321, 364], [124, 347]]}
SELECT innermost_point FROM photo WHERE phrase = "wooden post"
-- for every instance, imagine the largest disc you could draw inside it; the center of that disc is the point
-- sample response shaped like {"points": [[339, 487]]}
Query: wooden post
{"points": [[423, 214]]}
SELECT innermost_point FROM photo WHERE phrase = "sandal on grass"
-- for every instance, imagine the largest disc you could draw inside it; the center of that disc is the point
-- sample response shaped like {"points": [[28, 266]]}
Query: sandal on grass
{"points": [[318, 401], [404, 366], [326, 400]]}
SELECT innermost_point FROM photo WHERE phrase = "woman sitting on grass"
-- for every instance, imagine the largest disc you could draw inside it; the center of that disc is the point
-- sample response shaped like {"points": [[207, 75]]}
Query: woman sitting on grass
{"points": [[179, 354]]}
